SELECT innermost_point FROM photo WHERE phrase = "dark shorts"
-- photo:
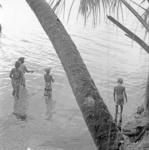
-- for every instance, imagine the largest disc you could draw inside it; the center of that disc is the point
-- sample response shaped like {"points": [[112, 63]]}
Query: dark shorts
{"points": [[48, 92], [120, 101]]}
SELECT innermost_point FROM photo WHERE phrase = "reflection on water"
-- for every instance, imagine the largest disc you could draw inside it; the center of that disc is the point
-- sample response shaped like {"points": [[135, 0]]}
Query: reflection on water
{"points": [[107, 53]]}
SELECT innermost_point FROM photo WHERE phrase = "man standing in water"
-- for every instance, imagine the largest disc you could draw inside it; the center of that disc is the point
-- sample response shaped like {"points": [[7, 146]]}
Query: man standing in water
{"points": [[23, 69], [16, 77], [48, 78], [119, 96]]}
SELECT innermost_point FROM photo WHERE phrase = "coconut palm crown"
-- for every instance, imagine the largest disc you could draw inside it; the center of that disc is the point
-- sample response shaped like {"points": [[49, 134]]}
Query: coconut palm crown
{"points": [[95, 8]]}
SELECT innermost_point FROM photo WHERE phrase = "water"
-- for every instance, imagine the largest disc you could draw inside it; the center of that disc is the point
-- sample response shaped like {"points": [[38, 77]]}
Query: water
{"points": [[107, 52]]}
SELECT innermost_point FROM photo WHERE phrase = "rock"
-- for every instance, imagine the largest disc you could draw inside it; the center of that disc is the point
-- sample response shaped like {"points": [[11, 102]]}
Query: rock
{"points": [[140, 109], [136, 129]]}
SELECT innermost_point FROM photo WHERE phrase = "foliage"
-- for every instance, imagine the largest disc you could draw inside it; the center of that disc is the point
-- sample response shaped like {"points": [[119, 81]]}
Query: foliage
{"points": [[96, 7]]}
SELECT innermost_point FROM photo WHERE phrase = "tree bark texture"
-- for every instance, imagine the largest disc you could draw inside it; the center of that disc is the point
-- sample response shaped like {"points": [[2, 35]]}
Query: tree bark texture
{"points": [[96, 115]]}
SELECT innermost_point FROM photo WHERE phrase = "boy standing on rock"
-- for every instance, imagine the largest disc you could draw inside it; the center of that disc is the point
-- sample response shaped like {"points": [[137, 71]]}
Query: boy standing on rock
{"points": [[119, 96]]}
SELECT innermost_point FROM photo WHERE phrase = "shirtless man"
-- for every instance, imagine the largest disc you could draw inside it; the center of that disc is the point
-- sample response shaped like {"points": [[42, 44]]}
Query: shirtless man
{"points": [[24, 70], [16, 77], [48, 78], [119, 96]]}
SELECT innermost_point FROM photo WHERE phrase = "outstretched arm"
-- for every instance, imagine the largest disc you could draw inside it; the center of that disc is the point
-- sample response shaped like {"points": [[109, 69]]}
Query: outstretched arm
{"points": [[28, 71], [11, 72]]}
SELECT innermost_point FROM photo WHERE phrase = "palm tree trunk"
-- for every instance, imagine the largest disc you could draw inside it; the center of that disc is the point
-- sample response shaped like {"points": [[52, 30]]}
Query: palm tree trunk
{"points": [[95, 112]]}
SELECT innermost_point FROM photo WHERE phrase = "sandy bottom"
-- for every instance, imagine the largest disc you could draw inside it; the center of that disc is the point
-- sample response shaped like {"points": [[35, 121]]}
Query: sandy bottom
{"points": [[65, 131]]}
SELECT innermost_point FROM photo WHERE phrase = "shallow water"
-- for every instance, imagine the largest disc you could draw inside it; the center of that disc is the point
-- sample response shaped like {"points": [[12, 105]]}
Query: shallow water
{"points": [[107, 52]]}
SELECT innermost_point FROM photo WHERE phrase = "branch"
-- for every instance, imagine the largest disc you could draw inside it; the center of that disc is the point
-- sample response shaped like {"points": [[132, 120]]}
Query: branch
{"points": [[130, 34], [135, 13]]}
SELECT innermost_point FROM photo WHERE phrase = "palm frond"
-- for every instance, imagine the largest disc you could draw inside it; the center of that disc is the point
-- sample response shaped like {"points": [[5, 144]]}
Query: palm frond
{"points": [[145, 16], [116, 8], [57, 5], [93, 8], [138, 5], [89, 8], [144, 1], [130, 34], [96, 9], [136, 14], [70, 10]]}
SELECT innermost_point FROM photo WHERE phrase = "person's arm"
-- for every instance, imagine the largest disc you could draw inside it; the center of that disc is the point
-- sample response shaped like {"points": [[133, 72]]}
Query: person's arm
{"points": [[114, 94], [28, 71], [11, 73], [52, 79], [125, 95]]}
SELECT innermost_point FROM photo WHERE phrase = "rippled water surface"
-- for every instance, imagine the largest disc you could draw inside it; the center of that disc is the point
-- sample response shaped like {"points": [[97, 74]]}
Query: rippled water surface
{"points": [[106, 51]]}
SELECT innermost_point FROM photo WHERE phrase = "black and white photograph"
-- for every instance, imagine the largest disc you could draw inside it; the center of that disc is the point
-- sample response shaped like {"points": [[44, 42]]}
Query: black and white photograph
{"points": [[74, 74]]}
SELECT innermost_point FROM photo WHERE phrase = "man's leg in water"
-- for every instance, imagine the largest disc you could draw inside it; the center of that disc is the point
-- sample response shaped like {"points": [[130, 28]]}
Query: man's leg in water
{"points": [[17, 91], [49, 106], [46, 102], [48, 109], [13, 86], [23, 81], [121, 107], [116, 112]]}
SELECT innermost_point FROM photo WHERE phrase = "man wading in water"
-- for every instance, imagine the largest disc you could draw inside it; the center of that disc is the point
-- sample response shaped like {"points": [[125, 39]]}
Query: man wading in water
{"points": [[119, 96], [23, 69], [48, 91], [16, 77]]}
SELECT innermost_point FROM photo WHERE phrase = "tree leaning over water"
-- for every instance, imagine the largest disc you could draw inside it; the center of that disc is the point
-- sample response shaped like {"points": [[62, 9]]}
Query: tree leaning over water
{"points": [[96, 115]]}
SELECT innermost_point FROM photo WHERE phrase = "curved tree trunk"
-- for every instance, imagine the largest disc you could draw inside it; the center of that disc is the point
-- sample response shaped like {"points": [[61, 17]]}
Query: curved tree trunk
{"points": [[95, 112]]}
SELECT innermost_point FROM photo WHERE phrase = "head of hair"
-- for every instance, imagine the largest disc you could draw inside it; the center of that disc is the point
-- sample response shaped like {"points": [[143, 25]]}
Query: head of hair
{"points": [[21, 59], [17, 64], [47, 70], [120, 80]]}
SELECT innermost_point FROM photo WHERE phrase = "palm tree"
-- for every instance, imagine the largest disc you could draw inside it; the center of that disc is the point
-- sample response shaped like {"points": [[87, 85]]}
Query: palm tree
{"points": [[95, 112]]}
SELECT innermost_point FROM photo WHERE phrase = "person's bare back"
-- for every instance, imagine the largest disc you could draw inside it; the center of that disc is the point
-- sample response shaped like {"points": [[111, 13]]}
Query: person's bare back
{"points": [[119, 97], [119, 93]]}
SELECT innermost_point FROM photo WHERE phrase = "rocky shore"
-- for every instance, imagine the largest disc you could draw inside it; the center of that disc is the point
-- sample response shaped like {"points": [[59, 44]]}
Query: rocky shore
{"points": [[136, 131]]}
